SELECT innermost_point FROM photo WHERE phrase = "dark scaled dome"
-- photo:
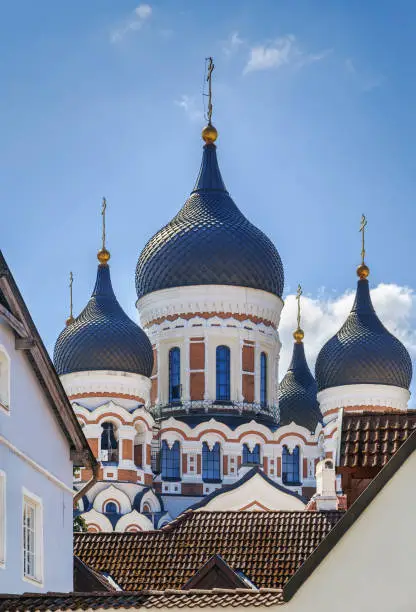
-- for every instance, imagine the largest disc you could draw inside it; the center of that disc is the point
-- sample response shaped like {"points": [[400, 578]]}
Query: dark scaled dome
{"points": [[297, 393], [363, 351], [103, 337], [209, 242]]}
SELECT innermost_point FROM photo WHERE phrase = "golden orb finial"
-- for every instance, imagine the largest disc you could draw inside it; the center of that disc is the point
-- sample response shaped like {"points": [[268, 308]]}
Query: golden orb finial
{"points": [[103, 256], [298, 335], [363, 271], [69, 321], [209, 134]]}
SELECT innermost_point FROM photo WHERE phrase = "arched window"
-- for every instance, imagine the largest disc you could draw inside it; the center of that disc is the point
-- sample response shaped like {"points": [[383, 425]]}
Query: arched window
{"points": [[171, 457], [109, 445], [146, 508], [174, 375], [211, 463], [223, 373], [4, 379], [290, 466], [111, 507], [251, 457], [263, 379]]}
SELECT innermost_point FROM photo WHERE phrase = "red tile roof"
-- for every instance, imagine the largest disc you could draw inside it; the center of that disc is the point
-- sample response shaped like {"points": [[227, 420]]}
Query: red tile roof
{"points": [[216, 598], [371, 439], [267, 546]]}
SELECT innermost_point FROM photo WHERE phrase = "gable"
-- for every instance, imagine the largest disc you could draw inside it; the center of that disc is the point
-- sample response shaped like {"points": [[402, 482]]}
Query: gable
{"points": [[216, 574]]}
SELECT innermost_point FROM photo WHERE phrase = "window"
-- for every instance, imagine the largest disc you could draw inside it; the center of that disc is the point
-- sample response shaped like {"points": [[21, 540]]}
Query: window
{"points": [[109, 445], [251, 457], [211, 463], [171, 468], [2, 519], [263, 379], [223, 373], [174, 375], [32, 538], [290, 467], [111, 508], [4, 380]]}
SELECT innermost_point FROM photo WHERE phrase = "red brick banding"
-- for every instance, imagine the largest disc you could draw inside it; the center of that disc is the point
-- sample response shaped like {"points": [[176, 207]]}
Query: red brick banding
{"points": [[107, 394], [210, 315]]}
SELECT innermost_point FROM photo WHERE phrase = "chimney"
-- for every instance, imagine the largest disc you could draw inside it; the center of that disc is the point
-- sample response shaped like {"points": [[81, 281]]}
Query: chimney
{"points": [[326, 495]]}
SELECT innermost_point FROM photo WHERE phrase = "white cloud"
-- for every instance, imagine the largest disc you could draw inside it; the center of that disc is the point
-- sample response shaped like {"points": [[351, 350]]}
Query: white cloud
{"points": [[283, 51], [366, 81], [190, 106], [141, 14], [232, 44], [322, 317]]}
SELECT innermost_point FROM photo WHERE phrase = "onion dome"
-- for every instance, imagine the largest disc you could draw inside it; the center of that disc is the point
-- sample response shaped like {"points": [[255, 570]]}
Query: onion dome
{"points": [[209, 241], [298, 389], [363, 351], [103, 337]]}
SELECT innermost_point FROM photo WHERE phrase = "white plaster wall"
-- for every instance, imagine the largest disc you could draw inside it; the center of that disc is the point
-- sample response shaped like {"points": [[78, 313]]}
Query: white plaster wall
{"points": [[32, 428], [376, 556]]}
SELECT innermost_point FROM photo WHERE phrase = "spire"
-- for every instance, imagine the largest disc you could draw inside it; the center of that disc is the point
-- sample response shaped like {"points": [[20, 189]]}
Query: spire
{"points": [[298, 334], [70, 319], [363, 270], [103, 255]]}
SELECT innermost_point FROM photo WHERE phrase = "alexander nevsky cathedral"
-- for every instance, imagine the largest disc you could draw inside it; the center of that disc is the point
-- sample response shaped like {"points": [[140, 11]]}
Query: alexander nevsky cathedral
{"points": [[190, 402]]}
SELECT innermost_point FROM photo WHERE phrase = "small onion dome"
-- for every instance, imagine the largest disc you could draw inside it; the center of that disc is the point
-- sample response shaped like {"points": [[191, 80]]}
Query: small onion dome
{"points": [[297, 393], [363, 351], [103, 337], [209, 242]]}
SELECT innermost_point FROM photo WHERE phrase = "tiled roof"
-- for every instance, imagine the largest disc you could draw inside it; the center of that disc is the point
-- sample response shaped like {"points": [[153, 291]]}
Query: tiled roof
{"points": [[216, 598], [267, 546], [209, 242], [371, 439]]}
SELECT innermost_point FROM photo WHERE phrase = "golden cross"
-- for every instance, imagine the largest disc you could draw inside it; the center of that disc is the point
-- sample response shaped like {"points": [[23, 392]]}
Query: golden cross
{"points": [[209, 81], [298, 294], [71, 282], [362, 230], [103, 207]]}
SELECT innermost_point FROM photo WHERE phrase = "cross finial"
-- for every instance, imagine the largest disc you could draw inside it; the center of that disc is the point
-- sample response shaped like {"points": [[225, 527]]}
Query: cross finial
{"points": [[103, 255], [298, 295], [298, 333], [362, 230], [103, 207], [209, 81], [70, 319]]}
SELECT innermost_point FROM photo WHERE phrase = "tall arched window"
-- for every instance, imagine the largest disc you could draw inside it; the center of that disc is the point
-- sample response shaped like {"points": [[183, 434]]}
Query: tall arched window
{"points": [[109, 445], [251, 457], [174, 375], [171, 461], [223, 373], [211, 463], [290, 466], [263, 379]]}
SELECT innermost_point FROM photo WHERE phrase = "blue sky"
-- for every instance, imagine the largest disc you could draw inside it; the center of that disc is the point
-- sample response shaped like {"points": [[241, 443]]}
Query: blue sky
{"points": [[314, 104]]}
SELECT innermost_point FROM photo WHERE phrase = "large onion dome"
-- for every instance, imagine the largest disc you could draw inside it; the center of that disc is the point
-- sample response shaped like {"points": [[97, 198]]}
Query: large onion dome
{"points": [[103, 337], [298, 390], [209, 242], [363, 351]]}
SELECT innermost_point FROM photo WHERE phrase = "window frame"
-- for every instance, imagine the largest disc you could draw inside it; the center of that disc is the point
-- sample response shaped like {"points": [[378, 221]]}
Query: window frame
{"points": [[285, 454], [211, 462], [35, 502], [263, 379], [220, 395], [174, 361], [248, 457], [171, 473], [3, 519]]}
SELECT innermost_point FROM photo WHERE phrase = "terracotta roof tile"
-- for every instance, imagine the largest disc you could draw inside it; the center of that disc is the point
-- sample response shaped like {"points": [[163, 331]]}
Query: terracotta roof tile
{"points": [[221, 598], [371, 439], [267, 546]]}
